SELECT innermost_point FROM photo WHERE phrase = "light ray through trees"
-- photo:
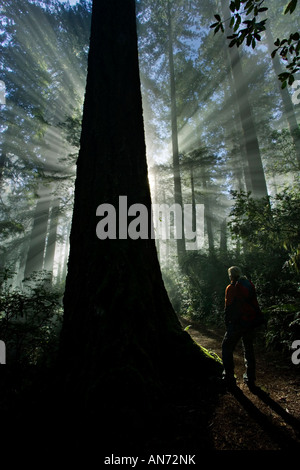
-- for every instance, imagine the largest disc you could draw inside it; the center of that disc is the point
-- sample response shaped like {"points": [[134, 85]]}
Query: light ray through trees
{"points": [[43, 66]]}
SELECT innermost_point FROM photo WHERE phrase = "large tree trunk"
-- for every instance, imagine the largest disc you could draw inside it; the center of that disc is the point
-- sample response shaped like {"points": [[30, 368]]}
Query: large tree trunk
{"points": [[120, 335]]}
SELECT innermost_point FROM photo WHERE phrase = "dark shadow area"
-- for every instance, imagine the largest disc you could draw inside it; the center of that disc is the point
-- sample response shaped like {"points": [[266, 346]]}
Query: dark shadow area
{"points": [[278, 435], [287, 417], [176, 423]]}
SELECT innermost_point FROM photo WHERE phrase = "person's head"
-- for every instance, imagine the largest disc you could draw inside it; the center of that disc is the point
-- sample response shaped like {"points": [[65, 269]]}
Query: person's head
{"points": [[234, 273]]}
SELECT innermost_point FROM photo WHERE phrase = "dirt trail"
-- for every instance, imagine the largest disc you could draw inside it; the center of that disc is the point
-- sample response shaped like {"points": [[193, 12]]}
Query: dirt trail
{"points": [[266, 420]]}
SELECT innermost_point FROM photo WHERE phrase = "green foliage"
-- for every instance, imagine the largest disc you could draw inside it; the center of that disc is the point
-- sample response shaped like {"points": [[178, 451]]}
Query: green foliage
{"points": [[198, 293], [179, 291], [269, 230], [30, 319], [283, 326], [270, 224], [249, 31], [288, 48]]}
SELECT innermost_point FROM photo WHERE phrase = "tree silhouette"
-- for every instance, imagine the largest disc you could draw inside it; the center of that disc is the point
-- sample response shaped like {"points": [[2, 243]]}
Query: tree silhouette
{"points": [[121, 338]]}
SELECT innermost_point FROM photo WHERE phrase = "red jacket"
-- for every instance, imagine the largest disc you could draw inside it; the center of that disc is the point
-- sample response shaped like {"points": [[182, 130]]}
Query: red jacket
{"points": [[241, 301]]}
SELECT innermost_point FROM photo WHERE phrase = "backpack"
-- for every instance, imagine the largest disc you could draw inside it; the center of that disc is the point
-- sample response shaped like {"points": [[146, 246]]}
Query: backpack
{"points": [[249, 312]]}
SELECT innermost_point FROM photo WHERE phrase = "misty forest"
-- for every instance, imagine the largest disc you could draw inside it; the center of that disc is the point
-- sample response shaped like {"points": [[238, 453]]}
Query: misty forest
{"points": [[145, 147]]}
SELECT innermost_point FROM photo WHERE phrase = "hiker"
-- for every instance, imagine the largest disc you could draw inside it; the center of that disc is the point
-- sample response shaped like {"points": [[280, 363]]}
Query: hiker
{"points": [[242, 315]]}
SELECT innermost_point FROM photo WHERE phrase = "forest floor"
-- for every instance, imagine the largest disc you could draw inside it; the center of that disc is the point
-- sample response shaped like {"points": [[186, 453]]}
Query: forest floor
{"points": [[266, 419], [195, 417]]}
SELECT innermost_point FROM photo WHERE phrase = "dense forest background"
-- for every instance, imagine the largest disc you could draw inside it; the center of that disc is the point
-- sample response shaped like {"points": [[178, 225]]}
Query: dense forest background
{"points": [[221, 132]]}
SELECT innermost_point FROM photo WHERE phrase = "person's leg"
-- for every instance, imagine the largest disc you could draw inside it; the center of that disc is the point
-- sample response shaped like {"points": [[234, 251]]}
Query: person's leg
{"points": [[230, 340], [249, 356]]}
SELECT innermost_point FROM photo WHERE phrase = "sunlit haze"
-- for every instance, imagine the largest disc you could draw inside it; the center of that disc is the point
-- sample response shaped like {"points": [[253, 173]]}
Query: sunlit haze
{"points": [[219, 113]]}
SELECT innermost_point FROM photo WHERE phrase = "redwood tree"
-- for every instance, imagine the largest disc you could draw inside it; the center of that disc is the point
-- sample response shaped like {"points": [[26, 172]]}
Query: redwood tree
{"points": [[121, 337]]}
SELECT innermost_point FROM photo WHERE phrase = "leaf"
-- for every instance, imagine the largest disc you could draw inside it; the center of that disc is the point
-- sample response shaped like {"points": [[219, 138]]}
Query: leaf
{"points": [[238, 22], [217, 29], [218, 17], [290, 7], [187, 327], [232, 6]]}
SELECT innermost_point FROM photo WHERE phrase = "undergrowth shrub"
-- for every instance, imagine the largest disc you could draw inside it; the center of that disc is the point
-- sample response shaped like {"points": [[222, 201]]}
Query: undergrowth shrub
{"points": [[30, 319], [283, 326]]}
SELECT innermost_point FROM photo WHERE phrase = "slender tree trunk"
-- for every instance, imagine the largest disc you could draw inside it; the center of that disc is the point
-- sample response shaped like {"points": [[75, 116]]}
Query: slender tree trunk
{"points": [[257, 176], [155, 197], [35, 255], [51, 240], [176, 166], [286, 98], [193, 199], [120, 334], [2, 164], [208, 218], [238, 161], [65, 254], [223, 238]]}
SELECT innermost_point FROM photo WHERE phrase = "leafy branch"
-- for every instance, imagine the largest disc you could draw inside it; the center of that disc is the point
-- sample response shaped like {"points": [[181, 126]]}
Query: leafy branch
{"points": [[250, 31], [286, 47]]}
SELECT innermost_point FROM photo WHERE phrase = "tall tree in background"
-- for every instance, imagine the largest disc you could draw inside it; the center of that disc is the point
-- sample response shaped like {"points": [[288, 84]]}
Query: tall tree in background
{"points": [[175, 149], [256, 171], [120, 334], [165, 32], [285, 96], [40, 94]]}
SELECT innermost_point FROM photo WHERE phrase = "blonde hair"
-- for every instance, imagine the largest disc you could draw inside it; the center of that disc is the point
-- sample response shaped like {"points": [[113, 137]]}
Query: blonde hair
{"points": [[235, 272]]}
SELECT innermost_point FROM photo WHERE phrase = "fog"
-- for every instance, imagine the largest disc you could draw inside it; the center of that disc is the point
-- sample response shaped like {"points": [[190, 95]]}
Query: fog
{"points": [[216, 120]]}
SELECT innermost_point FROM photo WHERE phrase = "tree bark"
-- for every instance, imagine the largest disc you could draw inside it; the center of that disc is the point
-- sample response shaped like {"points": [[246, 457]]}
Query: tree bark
{"points": [[120, 334]]}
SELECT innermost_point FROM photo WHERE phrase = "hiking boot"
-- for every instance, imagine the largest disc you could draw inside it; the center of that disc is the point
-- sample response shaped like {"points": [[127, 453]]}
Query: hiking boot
{"points": [[229, 382], [250, 383]]}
